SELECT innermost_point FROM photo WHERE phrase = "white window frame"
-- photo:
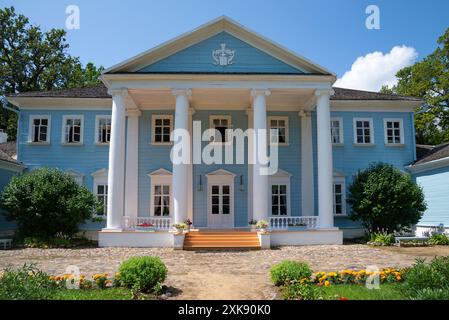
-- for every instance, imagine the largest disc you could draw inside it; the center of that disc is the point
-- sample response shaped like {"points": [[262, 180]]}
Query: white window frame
{"points": [[31, 131], [100, 177], [153, 128], [229, 138], [401, 131], [342, 182], [78, 177], [277, 118], [371, 125], [280, 178], [64, 120], [340, 131], [99, 117], [161, 177]]}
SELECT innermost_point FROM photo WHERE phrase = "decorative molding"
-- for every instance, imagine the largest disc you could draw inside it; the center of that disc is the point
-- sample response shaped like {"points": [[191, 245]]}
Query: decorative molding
{"points": [[160, 172], [223, 57], [322, 92], [133, 113], [221, 172], [304, 113], [257, 92], [179, 92]]}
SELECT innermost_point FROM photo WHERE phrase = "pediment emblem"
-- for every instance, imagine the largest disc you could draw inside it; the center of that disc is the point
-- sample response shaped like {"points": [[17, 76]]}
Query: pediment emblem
{"points": [[224, 56]]}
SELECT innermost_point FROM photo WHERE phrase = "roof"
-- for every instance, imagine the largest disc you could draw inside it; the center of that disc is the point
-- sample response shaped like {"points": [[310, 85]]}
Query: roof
{"points": [[101, 92], [9, 148], [427, 153]]}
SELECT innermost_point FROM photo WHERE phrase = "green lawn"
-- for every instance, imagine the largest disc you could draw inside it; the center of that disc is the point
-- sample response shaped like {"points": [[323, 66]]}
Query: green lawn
{"points": [[359, 292], [96, 294]]}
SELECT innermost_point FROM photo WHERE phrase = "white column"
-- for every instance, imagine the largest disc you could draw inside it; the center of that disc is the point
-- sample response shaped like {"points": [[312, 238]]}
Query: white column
{"points": [[307, 183], [260, 182], [325, 167], [116, 175], [180, 171], [132, 164]]}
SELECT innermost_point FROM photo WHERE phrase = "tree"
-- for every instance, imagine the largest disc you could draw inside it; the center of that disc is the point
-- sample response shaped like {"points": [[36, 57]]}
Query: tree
{"points": [[47, 202], [429, 79], [33, 60], [382, 197]]}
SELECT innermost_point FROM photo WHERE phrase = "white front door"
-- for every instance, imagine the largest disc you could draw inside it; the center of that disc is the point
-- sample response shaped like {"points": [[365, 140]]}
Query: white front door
{"points": [[220, 205]]}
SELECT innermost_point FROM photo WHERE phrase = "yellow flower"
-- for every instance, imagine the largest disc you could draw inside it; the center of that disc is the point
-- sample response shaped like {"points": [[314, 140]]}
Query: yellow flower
{"points": [[327, 283]]}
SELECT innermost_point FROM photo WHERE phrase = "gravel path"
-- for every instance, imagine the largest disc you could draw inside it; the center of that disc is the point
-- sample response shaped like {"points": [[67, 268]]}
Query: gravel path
{"points": [[220, 275]]}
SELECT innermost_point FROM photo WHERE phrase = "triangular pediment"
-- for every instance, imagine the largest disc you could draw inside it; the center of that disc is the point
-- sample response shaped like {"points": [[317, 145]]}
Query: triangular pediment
{"points": [[160, 172], [220, 46], [100, 173], [281, 174], [221, 172]]}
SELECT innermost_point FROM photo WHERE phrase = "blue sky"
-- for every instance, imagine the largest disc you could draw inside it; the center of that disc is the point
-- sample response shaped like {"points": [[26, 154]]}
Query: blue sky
{"points": [[331, 33]]}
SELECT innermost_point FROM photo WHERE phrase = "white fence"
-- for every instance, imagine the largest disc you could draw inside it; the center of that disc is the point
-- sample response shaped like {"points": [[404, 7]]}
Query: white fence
{"points": [[310, 222], [131, 223]]}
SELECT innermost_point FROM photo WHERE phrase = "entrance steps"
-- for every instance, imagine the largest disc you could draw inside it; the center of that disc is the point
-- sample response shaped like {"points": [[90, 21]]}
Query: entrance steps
{"points": [[221, 240]]}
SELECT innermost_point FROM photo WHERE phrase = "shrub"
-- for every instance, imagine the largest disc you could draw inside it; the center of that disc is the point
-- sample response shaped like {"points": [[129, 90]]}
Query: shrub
{"points": [[47, 202], [143, 274], [428, 279], [298, 291], [381, 238], [287, 271], [25, 283], [439, 239], [382, 197]]}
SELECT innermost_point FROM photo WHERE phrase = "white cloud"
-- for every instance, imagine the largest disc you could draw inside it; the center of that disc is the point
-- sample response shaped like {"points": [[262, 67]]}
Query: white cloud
{"points": [[376, 69]]}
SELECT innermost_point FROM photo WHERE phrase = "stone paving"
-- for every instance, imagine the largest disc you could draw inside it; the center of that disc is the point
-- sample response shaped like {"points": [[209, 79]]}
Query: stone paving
{"points": [[220, 274]]}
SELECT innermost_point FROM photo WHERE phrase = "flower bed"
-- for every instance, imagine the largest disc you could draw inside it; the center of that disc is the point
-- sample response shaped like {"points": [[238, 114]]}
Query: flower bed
{"points": [[349, 276]]}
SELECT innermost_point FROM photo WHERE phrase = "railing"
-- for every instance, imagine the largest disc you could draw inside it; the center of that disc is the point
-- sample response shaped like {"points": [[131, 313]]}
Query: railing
{"points": [[130, 223], [279, 223]]}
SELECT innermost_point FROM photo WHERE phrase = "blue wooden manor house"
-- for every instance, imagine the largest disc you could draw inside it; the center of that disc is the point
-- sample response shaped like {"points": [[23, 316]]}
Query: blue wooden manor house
{"points": [[115, 139]]}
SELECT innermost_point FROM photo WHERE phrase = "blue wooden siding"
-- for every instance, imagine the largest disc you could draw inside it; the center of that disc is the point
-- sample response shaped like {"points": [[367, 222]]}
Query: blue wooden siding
{"points": [[198, 58], [435, 184]]}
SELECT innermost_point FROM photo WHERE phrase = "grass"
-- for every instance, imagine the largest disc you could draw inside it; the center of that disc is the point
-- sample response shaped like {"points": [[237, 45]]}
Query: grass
{"points": [[97, 294], [359, 292]]}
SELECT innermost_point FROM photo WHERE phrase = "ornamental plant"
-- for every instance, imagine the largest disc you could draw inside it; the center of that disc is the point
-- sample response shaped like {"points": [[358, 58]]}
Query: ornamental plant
{"points": [[47, 203], [262, 224], [143, 274], [383, 197], [286, 272]]}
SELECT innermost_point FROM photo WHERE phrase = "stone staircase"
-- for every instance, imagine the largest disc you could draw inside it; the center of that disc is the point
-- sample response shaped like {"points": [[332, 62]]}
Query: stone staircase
{"points": [[221, 240]]}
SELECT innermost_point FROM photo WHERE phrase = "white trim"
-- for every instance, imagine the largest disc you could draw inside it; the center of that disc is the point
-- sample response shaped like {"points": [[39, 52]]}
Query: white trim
{"points": [[54, 103], [401, 131], [431, 165], [371, 127], [100, 177], [64, 120], [31, 131], [342, 181], [161, 177], [287, 133], [79, 177], [341, 131], [98, 117], [155, 117], [228, 139], [220, 177], [375, 105], [281, 177]]}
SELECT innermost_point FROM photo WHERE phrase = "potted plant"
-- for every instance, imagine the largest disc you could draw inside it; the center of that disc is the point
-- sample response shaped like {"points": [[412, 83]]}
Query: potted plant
{"points": [[145, 226], [180, 227], [252, 224], [262, 225], [188, 223]]}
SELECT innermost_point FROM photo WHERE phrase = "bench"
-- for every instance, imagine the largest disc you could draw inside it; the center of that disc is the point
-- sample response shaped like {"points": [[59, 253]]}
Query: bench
{"points": [[5, 243], [399, 240]]}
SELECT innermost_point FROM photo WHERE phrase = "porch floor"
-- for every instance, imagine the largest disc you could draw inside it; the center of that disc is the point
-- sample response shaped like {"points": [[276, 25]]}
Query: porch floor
{"points": [[207, 239]]}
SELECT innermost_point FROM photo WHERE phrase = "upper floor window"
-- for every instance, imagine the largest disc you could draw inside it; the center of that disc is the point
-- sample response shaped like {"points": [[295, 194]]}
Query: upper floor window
{"points": [[221, 124], [39, 129], [280, 127], [339, 197], [162, 128], [103, 129], [337, 130], [394, 131], [363, 131], [72, 129]]}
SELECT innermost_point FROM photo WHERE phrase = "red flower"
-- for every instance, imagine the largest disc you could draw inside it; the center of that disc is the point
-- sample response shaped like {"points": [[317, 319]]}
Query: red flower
{"points": [[145, 224], [343, 298]]}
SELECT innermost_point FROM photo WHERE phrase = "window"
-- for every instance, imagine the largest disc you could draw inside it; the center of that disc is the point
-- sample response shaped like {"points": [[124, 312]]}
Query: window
{"points": [[102, 129], [363, 131], [394, 131], [337, 130], [102, 197], [162, 128], [280, 125], [339, 197], [278, 199], [161, 201], [221, 124], [39, 129], [72, 129]]}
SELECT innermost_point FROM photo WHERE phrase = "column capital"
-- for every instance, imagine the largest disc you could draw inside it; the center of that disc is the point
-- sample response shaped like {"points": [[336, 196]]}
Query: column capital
{"points": [[304, 113], [133, 113], [118, 92], [322, 92], [181, 92], [258, 92]]}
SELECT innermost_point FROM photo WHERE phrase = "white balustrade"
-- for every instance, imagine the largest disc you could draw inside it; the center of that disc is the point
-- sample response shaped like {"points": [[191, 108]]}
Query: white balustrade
{"points": [[159, 223], [279, 223]]}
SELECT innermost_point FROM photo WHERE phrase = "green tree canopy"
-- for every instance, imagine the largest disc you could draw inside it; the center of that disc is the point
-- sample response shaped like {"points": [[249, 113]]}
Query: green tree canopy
{"points": [[33, 60], [429, 79]]}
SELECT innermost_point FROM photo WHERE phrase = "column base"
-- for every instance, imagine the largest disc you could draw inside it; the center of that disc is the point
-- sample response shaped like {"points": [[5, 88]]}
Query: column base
{"points": [[112, 229]]}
